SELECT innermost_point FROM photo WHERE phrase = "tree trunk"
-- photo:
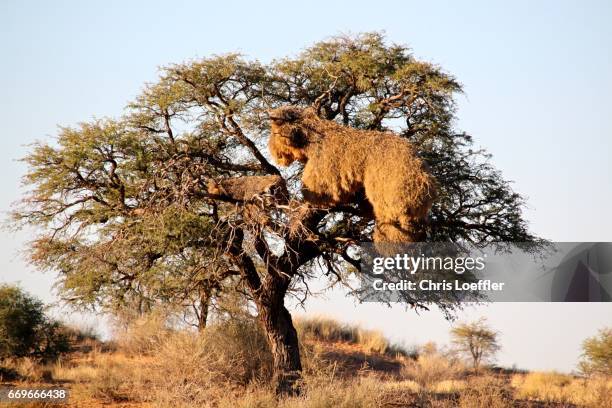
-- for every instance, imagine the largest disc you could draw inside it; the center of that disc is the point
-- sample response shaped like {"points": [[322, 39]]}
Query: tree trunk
{"points": [[283, 342], [269, 297], [202, 314]]}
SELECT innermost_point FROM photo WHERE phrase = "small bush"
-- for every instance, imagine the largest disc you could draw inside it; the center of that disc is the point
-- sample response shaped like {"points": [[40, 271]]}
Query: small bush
{"points": [[597, 354], [25, 330], [431, 367], [486, 392], [144, 335], [184, 368]]}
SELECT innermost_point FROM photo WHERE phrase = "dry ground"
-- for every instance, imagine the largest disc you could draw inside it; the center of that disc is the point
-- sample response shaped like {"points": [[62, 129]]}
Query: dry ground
{"points": [[151, 366]]}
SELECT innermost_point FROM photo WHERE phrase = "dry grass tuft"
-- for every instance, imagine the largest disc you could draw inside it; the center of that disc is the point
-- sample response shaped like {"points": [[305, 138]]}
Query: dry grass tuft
{"points": [[26, 369], [143, 335], [562, 388], [330, 330], [486, 392], [448, 386], [432, 367], [187, 369]]}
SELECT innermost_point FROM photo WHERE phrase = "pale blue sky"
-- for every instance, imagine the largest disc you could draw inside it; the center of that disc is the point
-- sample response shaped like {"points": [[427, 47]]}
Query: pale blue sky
{"points": [[538, 82]]}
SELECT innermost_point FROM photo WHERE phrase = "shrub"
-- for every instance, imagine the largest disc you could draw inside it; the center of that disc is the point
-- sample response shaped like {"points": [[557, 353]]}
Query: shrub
{"points": [[597, 354], [432, 367], [84, 339], [187, 368], [25, 330], [144, 335]]}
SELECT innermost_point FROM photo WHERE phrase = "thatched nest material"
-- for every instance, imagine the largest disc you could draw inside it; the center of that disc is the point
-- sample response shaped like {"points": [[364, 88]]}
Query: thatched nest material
{"points": [[340, 161], [247, 187]]}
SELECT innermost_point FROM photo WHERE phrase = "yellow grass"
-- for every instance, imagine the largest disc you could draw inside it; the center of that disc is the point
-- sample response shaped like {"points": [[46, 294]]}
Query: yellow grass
{"points": [[229, 366], [325, 329], [433, 370], [562, 388], [448, 386], [486, 392]]}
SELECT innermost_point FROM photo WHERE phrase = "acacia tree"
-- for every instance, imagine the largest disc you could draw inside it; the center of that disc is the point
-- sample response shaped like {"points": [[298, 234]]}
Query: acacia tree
{"points": [[476, 340], [596, 356], [125, 214]]}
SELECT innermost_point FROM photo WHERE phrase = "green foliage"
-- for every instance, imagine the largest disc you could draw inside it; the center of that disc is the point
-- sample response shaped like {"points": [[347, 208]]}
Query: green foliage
{"points": [[379, 86], [122, 205], [24, 328], [476, 340], [597, 354]]}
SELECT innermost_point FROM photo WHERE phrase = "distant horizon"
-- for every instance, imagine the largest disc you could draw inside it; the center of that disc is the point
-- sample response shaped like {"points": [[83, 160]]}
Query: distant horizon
{"points": [[537, 78]]}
